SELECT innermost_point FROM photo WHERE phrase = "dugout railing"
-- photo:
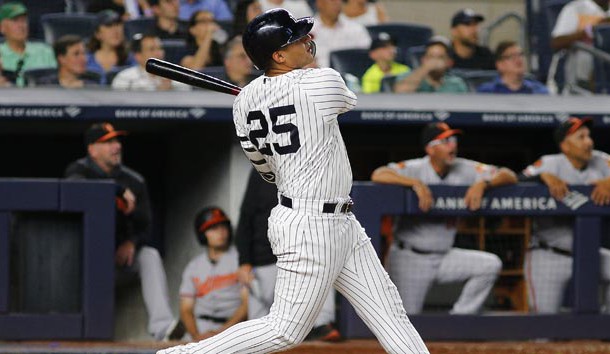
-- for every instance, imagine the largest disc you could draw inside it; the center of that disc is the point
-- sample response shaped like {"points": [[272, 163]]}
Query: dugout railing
{"points": [[372, 201]]}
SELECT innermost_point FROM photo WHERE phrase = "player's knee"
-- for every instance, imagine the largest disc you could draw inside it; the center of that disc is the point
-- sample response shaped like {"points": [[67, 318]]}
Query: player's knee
{"points": [[495, 264]]}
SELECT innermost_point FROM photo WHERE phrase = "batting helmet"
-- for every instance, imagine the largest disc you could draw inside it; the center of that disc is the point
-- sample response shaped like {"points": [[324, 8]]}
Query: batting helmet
{"points": [[207, 218], [271, 31]]}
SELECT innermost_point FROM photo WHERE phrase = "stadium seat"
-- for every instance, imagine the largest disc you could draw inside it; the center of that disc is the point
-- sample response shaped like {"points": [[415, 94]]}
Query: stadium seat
{"points": [[406, 35], [175, 49], [56, 25], [36, 9], [474, 78], [351, 61], [32, 76], [601, 40], [413, 56], [139, 25], [387, 83]]}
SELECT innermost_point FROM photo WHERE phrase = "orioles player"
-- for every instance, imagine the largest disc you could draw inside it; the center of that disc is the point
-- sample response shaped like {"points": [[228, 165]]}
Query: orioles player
{"points": [[287, 123], [211, 299], [548, 263], [423, 251]]}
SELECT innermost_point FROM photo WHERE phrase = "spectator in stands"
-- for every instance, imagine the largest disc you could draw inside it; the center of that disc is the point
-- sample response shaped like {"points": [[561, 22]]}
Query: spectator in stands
{"points": [[167, 25], [383, 52], [127, 9], [136, 78], [19, 54], [466, 51], [549, 258], [239, 70], [218, 8], [5, 80], [133, 224], [510, 63], [203, 50], [333, 32], [575, 24], [72, 64], [107, 49], [211, 298], [298, 8], [432, 76], [245, 11], [423, 251], [365, 12], [257, 263]]}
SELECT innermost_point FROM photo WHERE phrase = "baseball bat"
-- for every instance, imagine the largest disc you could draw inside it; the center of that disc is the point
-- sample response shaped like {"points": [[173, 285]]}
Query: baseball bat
{"points": [[190, 77]]}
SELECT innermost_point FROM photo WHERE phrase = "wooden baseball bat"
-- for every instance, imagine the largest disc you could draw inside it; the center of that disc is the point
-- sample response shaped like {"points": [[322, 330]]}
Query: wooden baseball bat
{"points": [[190, 77]]}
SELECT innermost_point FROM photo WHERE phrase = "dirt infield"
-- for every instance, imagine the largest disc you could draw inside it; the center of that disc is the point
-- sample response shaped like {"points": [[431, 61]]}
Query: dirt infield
{"points": [[346, 347]]}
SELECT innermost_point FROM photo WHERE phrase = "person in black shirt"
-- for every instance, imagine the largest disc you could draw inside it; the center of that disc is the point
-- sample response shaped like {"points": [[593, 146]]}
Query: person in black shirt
{"points": [[466, 51], [133, 224], [71, 56], [167, 25]]}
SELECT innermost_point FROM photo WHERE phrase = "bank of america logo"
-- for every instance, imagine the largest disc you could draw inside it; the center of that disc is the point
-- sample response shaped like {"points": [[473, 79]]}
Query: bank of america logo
{"points": [[72, 111], [197, 112]]}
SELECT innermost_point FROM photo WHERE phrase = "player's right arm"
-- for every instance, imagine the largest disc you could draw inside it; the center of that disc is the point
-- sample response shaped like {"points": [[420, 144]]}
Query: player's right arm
{"points": [[252, 153], [541, 171], [390, 175], [187, 305]]}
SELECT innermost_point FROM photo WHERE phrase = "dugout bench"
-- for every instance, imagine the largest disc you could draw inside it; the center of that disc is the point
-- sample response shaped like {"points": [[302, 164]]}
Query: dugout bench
{"points": [[373, 201]]}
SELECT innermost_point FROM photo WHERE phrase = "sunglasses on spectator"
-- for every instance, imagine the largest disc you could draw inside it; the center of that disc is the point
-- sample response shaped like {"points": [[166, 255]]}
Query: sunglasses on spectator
{"points": [[449, 140]]}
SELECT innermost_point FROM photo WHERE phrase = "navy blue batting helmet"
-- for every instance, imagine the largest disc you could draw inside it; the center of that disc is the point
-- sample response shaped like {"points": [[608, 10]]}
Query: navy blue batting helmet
{"points": [[271, 31], [207, 218]]}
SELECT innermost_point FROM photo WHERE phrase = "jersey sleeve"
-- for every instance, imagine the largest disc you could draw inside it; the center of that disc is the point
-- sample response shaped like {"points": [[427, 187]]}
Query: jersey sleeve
{"points": [[404, 168], [187, 288], [605, 162], [541, 165], [329, 93], [252, 153]]}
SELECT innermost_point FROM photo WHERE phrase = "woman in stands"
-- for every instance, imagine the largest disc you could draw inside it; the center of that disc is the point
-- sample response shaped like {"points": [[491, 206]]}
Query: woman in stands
{"points": [[245, 11], [107, 47], [365, 12], [203, 41]]}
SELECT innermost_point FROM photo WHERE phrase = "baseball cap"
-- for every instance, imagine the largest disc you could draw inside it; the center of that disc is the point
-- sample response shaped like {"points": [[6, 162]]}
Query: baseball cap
{"points": [[437, 131], [438, 39], [208, 218], [382, 39], [100, 132], [570, 126], [107, 17], [466, 16], [12, 10]]}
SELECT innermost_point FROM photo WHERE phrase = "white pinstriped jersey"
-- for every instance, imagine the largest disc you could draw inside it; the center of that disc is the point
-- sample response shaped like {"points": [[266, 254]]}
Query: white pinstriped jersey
{"points": [[557, 231], [434, 234], [292, 120]]}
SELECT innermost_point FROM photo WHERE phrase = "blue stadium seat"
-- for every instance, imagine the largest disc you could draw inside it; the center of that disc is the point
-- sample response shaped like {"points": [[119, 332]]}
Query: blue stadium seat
{"points": [[56, 25], [139, 25], [474, 78], [413, 56], [387, 83], [601, 40], [352, 61], [175, 49], [405, 34], [31, 76]]}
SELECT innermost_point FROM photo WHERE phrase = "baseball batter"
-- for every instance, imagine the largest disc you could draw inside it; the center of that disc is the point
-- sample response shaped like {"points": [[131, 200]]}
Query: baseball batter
{"points": [[423, 251], [211, 299], [549, 262], [287, 123]]}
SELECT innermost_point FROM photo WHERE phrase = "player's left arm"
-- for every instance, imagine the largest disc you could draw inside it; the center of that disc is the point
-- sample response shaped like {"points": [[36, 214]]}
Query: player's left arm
{"points": [[601, 192], [489, 177], [187, 316], [329, 93], [240, 314]]}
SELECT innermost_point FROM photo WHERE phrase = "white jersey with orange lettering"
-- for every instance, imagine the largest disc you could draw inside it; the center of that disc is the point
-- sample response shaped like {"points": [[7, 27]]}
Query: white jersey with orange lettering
{"points": [[549, 261], [423, 251], [288, 127]]}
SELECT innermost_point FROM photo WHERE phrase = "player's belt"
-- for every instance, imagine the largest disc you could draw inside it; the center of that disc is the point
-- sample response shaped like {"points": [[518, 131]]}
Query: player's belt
{"points": [[545, 246], [330, 208], [403, 246], [213, 319]]}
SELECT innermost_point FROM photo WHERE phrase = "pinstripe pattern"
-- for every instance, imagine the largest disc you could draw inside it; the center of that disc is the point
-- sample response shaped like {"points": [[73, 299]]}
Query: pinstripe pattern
{"points": [[314, 250]]}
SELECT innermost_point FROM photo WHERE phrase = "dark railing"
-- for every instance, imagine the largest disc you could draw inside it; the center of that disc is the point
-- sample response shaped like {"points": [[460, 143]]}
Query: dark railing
{"points": [[372, 201]]}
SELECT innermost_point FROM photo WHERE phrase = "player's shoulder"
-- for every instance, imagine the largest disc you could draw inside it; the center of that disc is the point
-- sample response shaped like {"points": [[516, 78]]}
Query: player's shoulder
{"points": [[131, 173], [415, 163], [601, 157], [318, 75]]}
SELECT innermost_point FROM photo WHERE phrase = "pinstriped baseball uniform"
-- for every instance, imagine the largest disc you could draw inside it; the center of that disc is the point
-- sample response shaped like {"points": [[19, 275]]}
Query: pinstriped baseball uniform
{"points": [[292, 120], [423, 252], [547, 270], [214, 287]]}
